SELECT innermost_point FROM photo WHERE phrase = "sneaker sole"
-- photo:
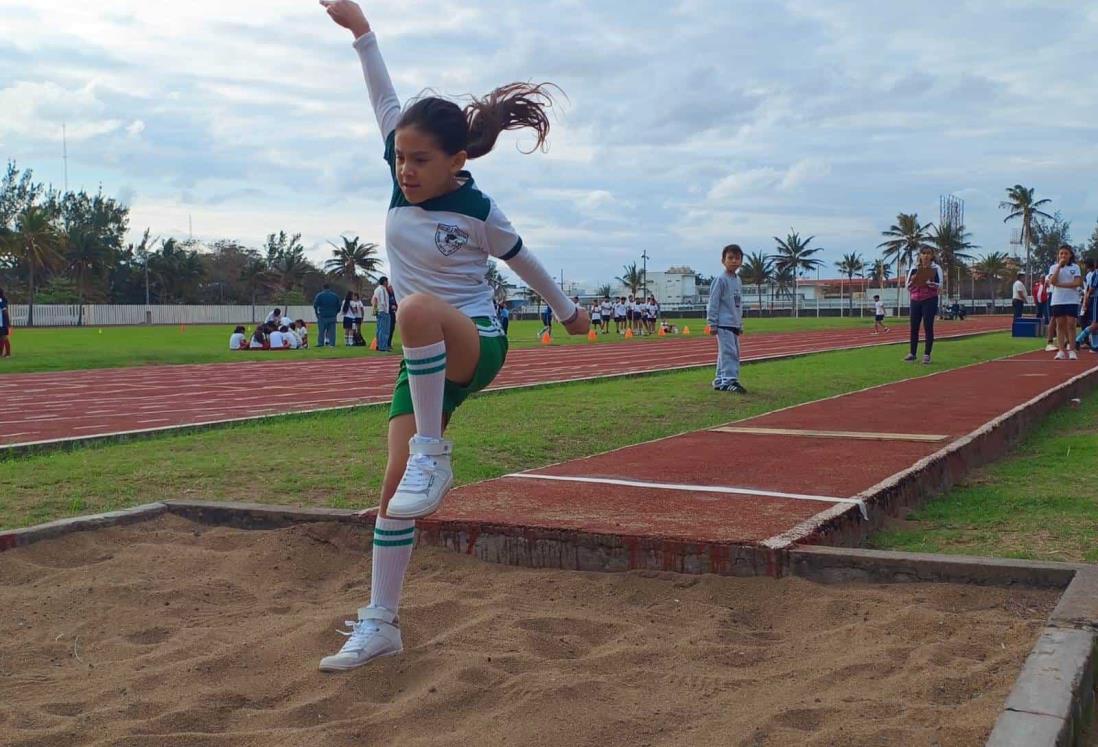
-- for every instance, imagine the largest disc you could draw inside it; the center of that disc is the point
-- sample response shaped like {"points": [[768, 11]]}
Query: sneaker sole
{"points": [[349, 667]]}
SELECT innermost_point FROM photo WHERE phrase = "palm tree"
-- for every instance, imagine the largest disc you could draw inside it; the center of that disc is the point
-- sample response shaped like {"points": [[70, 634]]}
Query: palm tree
{"points": [[757, 271], [906, 239], [783, 282], [851, 264], [881, 271], [37, 243], [496, 282], [1021, 204], [604, 291], [631, 278], [992, 267], [256, 276], [353, 256], [794, 255], [952, 243]]}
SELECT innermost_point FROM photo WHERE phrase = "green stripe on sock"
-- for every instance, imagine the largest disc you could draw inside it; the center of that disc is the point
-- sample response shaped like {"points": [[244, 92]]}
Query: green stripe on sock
{"points": [[424, 361], [393, 543], [416, 372], [394, 532]]}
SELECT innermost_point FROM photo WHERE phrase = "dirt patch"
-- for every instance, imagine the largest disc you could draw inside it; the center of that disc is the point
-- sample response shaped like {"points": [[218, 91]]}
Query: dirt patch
{"points": [[172, 633]]}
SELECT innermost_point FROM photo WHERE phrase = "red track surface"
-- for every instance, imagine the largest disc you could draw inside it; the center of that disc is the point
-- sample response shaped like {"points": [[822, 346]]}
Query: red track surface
{"points": [[81, 404], [668, 503]]}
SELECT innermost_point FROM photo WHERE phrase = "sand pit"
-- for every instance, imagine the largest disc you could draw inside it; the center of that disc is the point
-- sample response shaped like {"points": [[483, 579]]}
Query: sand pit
{"points": [[173, 633]]}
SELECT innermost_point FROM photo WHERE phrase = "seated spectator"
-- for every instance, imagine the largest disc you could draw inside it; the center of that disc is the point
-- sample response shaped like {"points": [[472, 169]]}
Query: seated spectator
{"points": [[303, 332], [278, 339], [238, 339], [291, 336], [275, 317], [957, 310], [259, 338]]}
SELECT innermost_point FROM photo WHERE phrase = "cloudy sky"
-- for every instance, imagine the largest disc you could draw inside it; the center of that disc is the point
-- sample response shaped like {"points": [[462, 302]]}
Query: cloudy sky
{"points": [[689, 123]]}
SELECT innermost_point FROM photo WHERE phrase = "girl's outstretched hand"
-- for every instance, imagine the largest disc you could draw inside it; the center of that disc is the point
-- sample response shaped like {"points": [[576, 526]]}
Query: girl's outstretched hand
{"points": [[348, 15]]}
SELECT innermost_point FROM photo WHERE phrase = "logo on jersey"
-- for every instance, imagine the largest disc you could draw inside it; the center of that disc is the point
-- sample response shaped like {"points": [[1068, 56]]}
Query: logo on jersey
{"points": [[449, 239]]}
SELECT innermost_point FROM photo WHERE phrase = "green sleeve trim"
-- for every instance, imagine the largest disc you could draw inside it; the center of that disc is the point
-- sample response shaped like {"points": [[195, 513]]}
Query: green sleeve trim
{"points": [[515, 250]]}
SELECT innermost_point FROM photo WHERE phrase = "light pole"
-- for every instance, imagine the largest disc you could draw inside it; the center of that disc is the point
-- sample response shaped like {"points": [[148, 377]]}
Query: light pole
{"points": [[644, 273]]}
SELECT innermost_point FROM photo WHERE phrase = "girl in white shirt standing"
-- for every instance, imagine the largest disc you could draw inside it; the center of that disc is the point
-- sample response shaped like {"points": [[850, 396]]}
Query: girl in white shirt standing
{"points": [[1065, 279], [440, 231]]}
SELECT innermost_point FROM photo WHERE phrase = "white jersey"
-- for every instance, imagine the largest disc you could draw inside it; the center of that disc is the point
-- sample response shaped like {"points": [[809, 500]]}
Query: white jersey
{"points": [[596, 311], [607, 308], [879, 308], [1064, 296], [619, 309], [442, 245]]}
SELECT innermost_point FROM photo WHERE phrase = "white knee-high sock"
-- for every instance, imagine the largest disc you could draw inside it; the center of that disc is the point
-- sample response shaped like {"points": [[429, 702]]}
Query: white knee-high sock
{"points": [[393, 542], [426, 378]]}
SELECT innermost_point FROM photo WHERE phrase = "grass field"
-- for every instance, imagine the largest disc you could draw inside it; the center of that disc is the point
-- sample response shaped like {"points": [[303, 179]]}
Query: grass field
{"points": [[61, 349], [1038, 503], [307, 460]]}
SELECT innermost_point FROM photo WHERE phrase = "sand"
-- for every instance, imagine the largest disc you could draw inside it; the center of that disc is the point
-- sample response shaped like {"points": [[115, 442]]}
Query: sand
{"points": [[173, 633]]}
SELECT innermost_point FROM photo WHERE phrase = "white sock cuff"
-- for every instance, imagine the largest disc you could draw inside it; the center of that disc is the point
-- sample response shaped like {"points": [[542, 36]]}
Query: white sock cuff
{"points": [[426, 351], [392, 525]]}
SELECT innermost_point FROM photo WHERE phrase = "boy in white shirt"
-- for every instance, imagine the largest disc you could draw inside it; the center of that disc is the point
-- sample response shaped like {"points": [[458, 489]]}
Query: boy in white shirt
{"points": [[878, 316]]}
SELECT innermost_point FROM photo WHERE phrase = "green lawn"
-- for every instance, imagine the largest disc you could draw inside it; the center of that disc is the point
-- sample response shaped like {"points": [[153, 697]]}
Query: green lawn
{"points": [[1038, 503], [60, 349], [305, 460]]}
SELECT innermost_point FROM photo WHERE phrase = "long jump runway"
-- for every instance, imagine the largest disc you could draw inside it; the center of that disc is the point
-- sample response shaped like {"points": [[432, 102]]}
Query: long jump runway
{"points": [[731, 499], [74, 405]]}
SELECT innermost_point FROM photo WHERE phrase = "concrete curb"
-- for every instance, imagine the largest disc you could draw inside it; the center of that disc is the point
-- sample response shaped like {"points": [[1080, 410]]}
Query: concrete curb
{"points": [[1053, 699], [258, 515], [935, 474], [12, 538]]}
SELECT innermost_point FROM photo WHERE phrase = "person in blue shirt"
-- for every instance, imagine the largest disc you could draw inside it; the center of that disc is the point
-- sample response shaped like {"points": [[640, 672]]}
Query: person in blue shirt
{"points": [[326, 304], [504, 315], [725, 318], [546, 321], [5, 327]]}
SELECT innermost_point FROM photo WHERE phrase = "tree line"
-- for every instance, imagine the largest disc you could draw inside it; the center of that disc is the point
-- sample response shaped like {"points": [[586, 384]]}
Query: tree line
{"points": [[69, 247], [1041, 235]]}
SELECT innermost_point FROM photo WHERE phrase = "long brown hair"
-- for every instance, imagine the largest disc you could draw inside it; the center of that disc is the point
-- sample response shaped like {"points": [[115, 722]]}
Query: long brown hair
{"points": [[476, 127]]}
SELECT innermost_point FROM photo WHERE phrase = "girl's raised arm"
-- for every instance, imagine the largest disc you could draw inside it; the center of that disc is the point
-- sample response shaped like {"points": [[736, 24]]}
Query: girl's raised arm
{"points": [[383, 96]]}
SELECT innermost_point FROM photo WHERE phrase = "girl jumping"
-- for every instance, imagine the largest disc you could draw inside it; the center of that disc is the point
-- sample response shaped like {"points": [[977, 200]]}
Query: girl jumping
{"points": [[440, 231]]}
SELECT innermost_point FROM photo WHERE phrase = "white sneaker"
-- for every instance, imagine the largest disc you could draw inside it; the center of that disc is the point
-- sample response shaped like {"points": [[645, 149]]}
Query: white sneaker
{"points": [[1059, 356], [1050, 348], [1072, 355], [426, 480], [373, 635]]}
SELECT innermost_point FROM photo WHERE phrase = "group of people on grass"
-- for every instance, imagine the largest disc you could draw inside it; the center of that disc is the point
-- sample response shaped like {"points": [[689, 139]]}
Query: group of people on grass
{"points": [[1066, 297], [277, 333]]}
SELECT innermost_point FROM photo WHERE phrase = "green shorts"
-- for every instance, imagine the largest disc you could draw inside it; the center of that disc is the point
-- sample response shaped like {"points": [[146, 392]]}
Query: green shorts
{"points": [[493, 352]]}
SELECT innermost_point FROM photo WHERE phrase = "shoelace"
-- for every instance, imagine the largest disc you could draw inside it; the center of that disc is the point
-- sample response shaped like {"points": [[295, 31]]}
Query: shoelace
{"points": [[359, 631], [417, 475]]}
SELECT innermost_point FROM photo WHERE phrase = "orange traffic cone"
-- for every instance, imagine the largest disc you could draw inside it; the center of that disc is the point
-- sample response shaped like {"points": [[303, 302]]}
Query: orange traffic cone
{"points": [[661, 333], [373, 344], [708, 329], [546, 339], [592, 335], [628, 334], [686, 331]]}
